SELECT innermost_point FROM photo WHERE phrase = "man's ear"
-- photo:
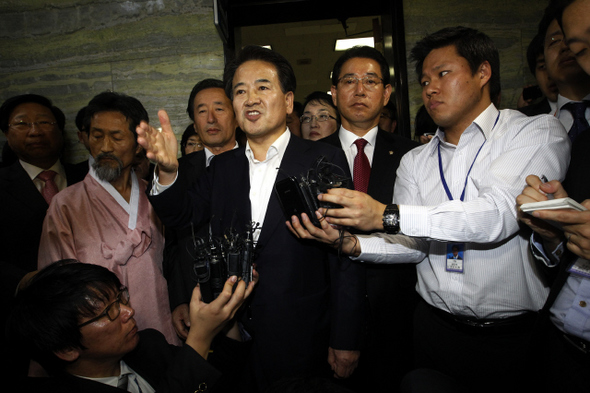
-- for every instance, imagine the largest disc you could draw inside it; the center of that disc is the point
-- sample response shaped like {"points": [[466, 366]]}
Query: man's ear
{"points": [[68, 355], [334, 98], [290, 99], [485, 72], [386, 94]]}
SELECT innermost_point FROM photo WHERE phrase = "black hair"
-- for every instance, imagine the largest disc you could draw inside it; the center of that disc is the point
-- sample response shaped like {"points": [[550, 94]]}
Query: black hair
{"points": [[324, 99], [473, 45], [47, 312], [188, 132], [10, 105], [128, 106], [390, 106], [364, 52], [533, 51], [202, 85], [550, 14], [253, 52], [80, 119], [298, 108]]}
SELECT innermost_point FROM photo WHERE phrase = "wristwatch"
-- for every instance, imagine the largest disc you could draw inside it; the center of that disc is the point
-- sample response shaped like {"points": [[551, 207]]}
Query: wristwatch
{"points": [[391, 219]]}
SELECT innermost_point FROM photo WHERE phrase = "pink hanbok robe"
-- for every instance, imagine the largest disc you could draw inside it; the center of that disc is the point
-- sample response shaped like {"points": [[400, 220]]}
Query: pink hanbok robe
{"points": [[85, 222]]}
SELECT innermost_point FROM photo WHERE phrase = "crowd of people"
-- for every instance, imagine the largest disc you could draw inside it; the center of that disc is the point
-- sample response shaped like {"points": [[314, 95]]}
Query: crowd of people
{"points": [[418, 273]]}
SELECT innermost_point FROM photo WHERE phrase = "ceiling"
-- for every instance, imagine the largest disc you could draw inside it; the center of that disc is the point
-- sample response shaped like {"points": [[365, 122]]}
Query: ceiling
{"points": [[308, 45]]}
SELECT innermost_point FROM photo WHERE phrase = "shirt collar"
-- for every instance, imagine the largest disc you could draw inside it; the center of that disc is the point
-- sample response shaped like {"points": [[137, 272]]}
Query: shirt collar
{"points": [[561, 101], [278, 147], [484, 122], [33, 171], [347, 138], [114, 380], [209, 155]]}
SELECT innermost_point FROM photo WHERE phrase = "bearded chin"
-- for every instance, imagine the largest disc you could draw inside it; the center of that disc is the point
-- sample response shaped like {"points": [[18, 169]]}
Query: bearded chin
{"points": [[105, 172]]}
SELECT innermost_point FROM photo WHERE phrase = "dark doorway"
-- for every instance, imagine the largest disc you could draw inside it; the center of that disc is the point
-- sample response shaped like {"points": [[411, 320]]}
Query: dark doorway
{"points": [[305, 32]]}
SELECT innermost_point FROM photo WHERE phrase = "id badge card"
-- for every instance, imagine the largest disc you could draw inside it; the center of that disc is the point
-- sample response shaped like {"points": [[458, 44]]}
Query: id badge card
{"points": [[455, 257], [580, 268]]}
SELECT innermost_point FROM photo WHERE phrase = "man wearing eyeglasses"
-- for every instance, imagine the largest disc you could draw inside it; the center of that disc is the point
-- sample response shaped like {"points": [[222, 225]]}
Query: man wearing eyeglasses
{"points": [[77, 320], [33, 127], [360, 90], [476, 315]]}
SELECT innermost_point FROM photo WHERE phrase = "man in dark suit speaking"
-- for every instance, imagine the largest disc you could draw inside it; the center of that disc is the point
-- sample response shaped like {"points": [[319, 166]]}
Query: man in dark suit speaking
{"points": [[308, 304], [360, 90]]}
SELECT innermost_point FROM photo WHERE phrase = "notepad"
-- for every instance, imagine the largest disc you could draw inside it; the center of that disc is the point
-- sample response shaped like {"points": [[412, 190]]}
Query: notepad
{"points": [[553, 204]]}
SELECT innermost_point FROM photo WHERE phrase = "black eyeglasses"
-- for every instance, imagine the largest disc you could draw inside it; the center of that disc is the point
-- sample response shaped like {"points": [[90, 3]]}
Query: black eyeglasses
{"points": [[307, 119], [113, 310]]}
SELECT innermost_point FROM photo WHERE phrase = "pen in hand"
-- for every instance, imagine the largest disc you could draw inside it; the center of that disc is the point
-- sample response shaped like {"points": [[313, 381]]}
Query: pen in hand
{"points": [[544, 180]]}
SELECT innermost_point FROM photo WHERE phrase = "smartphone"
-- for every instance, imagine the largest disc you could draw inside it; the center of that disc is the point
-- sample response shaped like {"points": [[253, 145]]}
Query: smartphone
{"points": [[531, 93], [294, 201]]}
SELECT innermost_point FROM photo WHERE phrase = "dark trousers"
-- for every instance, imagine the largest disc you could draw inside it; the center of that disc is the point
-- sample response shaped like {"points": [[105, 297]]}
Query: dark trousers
{"points": [[561, 366], [481, 359]]}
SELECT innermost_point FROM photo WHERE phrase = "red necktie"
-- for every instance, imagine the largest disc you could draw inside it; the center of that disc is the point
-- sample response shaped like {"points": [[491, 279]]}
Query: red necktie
{"points": [[361, 168], [50, 188]]}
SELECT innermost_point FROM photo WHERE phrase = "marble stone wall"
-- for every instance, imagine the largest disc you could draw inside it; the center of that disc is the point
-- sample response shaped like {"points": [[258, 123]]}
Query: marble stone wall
{"points": [[511, 24], [71, 50], [156, 50]]}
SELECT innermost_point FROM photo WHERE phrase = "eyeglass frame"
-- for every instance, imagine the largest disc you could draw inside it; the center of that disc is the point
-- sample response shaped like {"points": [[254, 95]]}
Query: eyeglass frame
{"points": [[105, 312], [362, 80], [39, 124], [316, 118]]}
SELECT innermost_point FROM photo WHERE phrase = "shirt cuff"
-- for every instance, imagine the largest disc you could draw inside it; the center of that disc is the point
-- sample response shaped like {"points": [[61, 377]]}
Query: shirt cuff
{"points": [[158, 188], [414, 220], [551, 259]]}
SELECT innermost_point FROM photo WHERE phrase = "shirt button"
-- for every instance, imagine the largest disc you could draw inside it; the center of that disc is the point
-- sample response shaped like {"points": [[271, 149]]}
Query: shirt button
{"points": [[582, 303]]}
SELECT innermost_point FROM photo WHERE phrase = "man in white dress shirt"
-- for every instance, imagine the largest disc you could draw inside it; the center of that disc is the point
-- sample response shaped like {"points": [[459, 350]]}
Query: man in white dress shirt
{"points": [[476, 314]]}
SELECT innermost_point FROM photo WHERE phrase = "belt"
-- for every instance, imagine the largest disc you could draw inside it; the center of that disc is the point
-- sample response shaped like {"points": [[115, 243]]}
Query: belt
{"points": [[526, 318]]}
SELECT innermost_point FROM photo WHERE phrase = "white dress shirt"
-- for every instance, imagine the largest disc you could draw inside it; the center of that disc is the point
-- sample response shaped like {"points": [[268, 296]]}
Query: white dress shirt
{"points": [[263, 175], [347, 139], [135, 383], [565, 116], [33, 171], [500, 278], [209, 154]]}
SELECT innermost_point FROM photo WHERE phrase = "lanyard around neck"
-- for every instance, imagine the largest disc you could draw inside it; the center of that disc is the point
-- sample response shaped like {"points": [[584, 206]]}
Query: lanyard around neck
{"points": [[442, 175]]}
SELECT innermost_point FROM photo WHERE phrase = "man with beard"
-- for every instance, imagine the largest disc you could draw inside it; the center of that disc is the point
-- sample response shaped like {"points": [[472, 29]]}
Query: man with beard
{"points": [[107, 219]]}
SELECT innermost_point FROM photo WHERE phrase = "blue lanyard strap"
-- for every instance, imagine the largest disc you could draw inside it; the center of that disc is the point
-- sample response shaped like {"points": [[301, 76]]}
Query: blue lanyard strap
{"points": [[442, 175]]}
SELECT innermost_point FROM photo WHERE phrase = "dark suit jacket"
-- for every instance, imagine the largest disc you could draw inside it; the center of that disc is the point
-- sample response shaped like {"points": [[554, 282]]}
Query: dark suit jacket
{"points": [[576, 179], [391, 289], [540, 108], [22, 211], [178, 255], [307, 298], [165, 367]]}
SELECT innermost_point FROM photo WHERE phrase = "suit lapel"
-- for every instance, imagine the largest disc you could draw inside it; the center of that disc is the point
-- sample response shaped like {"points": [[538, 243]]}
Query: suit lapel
{"points": [[382, 169], [22, 188], [294, 162]]}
